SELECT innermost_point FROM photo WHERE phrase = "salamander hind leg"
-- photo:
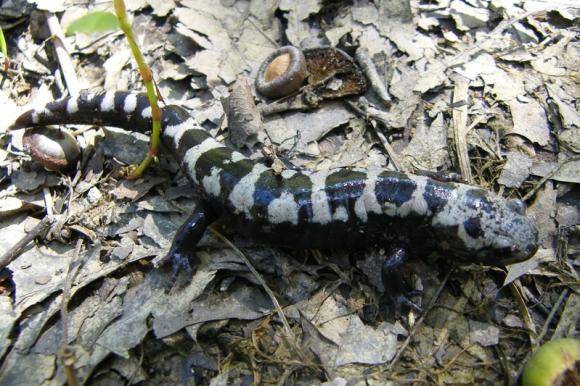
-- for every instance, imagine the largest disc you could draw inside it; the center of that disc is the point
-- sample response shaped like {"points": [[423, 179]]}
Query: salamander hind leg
{"points": [[182, 253]]}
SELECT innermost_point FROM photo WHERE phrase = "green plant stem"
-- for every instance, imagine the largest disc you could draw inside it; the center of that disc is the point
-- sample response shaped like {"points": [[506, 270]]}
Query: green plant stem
{"points": [[147, 76], [4, 49]]}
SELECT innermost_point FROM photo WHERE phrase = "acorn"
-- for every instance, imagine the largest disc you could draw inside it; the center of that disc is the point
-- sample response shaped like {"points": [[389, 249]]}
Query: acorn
{"points": [[53, 148], [556, 363], [282, 72]]}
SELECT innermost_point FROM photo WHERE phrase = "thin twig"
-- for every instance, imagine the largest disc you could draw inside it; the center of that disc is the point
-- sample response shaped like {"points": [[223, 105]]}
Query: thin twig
{"points": [[547, 177], [419, 322], [542, 333], [279, 311], [66, 353], [261, 31], [460, 125], [73, 268], [19, 247], [516, 289], [62, 53], [553, 311], [366, 113]]}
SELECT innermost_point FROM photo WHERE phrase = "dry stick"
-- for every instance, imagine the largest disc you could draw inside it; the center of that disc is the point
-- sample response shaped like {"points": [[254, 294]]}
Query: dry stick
{"points": [[569, 316], [279, 311], [384, 141], [289, 103], [547, 177], [556, 307], [460, 125], [18, 248], [451, 361], [99, 38], [540, 337], [419, 322], [261, 31], [516, 290], [21, 20], [62, 53], [389, 149], [66, 354]]}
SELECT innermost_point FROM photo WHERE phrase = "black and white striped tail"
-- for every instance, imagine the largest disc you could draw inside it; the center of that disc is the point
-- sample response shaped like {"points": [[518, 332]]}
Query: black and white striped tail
{"points": [[200, 156]]}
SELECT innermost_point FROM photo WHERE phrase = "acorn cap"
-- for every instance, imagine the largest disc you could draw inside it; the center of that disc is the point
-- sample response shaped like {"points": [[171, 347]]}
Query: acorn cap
{"points": [[282, 72]]}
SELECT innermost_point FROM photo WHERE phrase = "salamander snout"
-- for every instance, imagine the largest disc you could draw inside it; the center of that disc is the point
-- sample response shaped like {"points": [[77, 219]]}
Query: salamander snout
{"points": [[490, 229], [509, 235], [517, 249]]}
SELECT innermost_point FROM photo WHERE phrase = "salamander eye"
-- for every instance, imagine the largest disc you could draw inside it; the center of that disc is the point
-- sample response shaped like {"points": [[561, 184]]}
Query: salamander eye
{"points": [[517, 206], [282, 73], [473, 227]]}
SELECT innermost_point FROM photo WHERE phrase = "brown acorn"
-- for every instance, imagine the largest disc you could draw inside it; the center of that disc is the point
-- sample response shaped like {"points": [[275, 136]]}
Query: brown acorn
{"points": [[55, 149]]}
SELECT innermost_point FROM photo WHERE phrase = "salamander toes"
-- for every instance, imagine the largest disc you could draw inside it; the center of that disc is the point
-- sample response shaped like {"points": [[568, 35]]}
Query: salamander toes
{"points": [[180, 262]]}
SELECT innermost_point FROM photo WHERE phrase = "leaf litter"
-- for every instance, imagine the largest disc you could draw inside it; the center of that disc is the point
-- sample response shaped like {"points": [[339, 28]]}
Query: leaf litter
{"points": [[519, 132]]}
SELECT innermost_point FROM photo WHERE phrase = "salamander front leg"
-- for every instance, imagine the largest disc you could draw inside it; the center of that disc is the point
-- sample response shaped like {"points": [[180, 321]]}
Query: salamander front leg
{"points": [[393, 284], [182, 253]]}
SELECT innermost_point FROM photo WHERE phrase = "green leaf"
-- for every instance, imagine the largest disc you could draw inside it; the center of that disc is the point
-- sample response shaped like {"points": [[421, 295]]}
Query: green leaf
{"points": [[98, 21]]}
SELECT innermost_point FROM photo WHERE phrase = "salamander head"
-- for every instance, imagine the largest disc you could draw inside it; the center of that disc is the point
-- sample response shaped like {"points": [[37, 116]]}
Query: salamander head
{"points": [[488, 229]]}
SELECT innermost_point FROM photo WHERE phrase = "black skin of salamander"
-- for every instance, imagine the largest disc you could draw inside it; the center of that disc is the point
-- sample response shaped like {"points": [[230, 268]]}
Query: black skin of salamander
{"points": [[400, 234]]}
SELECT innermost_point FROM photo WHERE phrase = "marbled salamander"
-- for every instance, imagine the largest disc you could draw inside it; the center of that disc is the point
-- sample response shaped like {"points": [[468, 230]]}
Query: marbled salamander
{"points": [[335, 208]]}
